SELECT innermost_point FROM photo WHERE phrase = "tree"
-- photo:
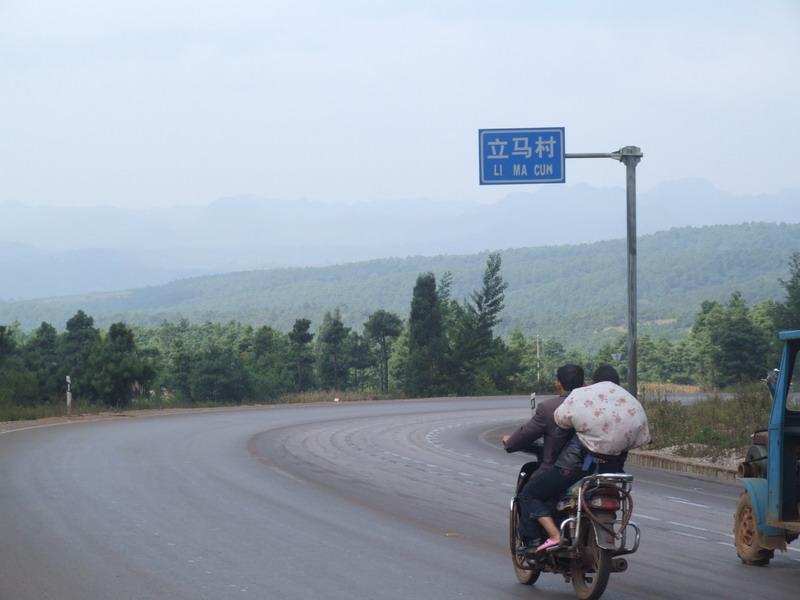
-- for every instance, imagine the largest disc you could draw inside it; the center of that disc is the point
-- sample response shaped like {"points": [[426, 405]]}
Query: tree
{"points": [[76, 345], [17, 383], [219, 376], [359, 358], [179, 370], [742, 343], [398, 362], [301, 357], [523, 353], [473, 338], [8, 345], [788, 312], [427, 344], [268, 363], [705, 335], [731, 346], [488, 302], [381, 329], [41, 357], [332, 363], [116, 371]]}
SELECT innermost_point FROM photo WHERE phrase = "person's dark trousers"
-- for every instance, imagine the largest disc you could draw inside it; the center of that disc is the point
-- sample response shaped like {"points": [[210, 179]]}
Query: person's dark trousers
{"points": [[537, 497], [546, 489], [528, 527]]}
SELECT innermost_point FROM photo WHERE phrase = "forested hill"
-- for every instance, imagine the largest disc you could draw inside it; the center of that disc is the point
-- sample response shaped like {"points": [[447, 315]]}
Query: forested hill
{"points": [[576, 293]]}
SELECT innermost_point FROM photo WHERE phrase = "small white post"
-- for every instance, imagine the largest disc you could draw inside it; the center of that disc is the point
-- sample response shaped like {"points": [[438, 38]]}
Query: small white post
{"points": [[69, 396]]}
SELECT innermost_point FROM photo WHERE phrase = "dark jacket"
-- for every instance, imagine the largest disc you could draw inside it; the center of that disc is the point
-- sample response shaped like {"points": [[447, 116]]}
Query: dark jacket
{"points": [[542, 424]]}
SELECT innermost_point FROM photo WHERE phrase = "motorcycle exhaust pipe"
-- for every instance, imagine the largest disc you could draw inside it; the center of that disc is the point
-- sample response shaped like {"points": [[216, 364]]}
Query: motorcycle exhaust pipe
{"points": [[618, 565]]}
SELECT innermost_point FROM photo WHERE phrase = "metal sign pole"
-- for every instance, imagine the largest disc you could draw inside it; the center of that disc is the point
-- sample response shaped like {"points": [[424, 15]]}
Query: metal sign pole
{"points": [[630, 157], [536, 155]]}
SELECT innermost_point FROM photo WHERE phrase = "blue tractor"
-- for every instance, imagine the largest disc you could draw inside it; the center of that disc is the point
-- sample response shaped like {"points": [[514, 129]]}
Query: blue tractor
{"points": [[768, 514]]}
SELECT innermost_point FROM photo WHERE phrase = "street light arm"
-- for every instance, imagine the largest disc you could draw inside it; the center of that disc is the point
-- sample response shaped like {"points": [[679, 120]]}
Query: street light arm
{"points": [[620, 155]]}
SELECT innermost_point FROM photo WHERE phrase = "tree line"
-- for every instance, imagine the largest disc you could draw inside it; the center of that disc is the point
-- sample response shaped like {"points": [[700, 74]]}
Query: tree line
{"points": [[444, 346]]}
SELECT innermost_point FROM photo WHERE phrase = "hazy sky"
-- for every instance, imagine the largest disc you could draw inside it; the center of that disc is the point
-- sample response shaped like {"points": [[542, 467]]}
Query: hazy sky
{"points": [[150, 103]]}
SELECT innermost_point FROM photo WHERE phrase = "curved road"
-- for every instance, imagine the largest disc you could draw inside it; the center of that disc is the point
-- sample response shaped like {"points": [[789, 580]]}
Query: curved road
{"points": [[365, 500]]}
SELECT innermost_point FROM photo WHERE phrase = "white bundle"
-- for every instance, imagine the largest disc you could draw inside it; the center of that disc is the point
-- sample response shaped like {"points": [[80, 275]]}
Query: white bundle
{"points": [[606, 418]]}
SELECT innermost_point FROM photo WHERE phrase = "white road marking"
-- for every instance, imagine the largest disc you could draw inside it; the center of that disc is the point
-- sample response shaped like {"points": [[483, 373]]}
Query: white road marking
{"points": [[687, 502], [793, 549], [641, 516], [465, 474], [691, 535], [688, 526], [728, 544]]}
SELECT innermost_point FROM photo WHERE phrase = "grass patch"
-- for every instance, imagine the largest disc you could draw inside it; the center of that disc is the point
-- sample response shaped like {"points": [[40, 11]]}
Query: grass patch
{"points": [[663, 389], [716, 423], [16, 412]]}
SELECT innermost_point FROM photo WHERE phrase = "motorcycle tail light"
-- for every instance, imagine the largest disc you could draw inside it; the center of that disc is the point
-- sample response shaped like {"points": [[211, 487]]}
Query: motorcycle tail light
{"points": [[604, 503]]}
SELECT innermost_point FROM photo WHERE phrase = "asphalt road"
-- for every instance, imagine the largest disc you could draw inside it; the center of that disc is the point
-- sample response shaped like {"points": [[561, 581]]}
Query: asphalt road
{"points": [[364, 500]]}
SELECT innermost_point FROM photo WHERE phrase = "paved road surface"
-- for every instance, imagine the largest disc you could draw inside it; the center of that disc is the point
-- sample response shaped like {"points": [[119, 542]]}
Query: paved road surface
{"points": [[375, 500]]}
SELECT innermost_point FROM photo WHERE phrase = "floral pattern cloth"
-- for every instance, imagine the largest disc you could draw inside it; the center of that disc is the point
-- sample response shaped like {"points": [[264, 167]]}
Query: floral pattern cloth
{"points": [[605, 417]]}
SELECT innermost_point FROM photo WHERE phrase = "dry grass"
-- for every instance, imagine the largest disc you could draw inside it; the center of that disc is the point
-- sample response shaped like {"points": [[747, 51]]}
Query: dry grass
{"points": [[16, 412], [715, 424], [666, 389]]}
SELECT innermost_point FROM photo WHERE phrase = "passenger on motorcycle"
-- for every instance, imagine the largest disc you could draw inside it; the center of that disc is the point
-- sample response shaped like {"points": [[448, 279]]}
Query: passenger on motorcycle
{"points": [[608, 421], [542, 424]]}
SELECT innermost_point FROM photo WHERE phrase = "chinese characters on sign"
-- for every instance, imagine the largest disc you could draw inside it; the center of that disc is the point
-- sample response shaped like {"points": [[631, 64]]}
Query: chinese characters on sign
{"points": [[521, 155]]}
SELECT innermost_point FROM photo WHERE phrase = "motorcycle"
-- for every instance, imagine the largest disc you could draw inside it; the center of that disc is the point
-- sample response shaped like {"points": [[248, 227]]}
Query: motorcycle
{"points": [[596, 531]]}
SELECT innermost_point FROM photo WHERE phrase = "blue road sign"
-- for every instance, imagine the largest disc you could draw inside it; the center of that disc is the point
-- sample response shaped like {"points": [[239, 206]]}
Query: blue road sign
{"points": [[522, 155]]}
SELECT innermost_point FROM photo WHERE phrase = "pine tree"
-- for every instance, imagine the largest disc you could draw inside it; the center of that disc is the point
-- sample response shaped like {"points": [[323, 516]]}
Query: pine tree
{"points": [[332, 359], [427, 344], [788, 312], [381, 329], [301, 356]]}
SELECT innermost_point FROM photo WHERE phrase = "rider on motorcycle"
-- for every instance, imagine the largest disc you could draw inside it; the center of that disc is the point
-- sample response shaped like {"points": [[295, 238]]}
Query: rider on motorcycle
{"points": [[542, 424], [608, 421]]}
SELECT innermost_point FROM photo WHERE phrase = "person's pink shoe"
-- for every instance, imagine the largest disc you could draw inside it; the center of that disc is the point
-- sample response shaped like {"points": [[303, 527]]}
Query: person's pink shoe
{"points": [[548, 544]]}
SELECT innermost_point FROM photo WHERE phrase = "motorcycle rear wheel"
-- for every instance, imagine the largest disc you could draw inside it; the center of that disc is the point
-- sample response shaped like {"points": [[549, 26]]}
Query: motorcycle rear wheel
{"points": [[590, 571], [525, 574]]}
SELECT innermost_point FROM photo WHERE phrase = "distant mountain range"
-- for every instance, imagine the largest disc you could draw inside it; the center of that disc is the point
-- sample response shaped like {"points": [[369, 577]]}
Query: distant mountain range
{"points": [[50, 251], [576, 293]]}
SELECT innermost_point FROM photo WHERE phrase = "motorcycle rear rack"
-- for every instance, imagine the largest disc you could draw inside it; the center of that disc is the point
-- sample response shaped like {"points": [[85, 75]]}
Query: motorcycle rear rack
{"points": [[623, 481]]}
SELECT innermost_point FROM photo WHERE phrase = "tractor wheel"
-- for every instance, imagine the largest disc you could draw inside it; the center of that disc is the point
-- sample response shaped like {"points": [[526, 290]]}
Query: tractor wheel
{"points": [[746, 535]]}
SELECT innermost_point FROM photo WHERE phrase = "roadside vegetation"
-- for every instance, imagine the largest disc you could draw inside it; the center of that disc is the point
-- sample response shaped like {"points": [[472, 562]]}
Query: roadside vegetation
{"points": [[442, 346], [711, 426]]}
